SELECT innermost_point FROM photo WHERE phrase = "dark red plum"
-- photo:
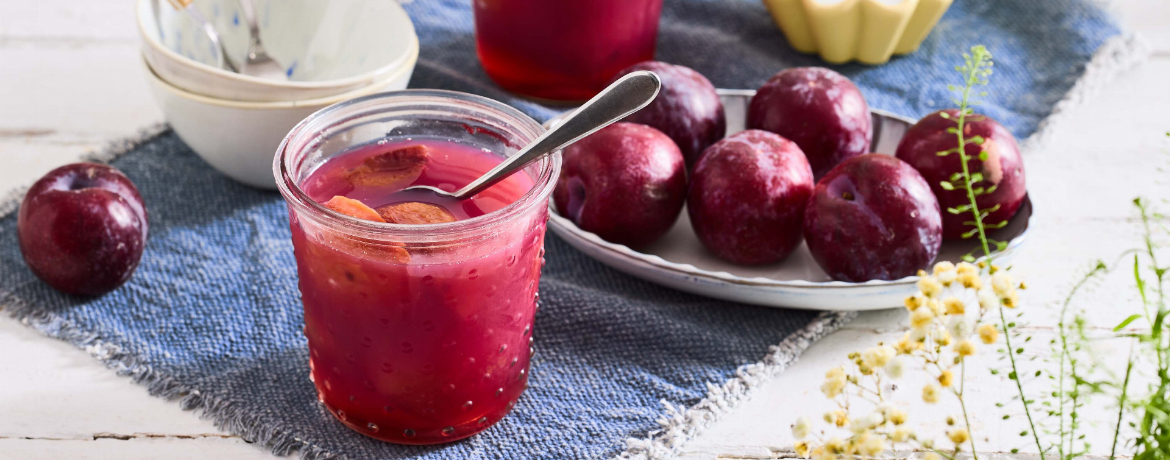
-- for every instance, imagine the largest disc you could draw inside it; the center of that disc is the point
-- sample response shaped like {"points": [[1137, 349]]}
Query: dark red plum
{"points": [[1004, 169], [747, 197], [687, 109], [818, 109], [82, 228], [626, 183], [873, 217]]}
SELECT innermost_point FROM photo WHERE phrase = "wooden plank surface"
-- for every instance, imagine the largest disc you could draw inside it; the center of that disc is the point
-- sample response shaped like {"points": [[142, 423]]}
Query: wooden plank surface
{"points": [[70, 80]]}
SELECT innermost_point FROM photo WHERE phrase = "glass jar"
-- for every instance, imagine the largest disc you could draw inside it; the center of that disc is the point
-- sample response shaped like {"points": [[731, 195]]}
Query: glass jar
{"points": [[432, 347], [566, 50]]}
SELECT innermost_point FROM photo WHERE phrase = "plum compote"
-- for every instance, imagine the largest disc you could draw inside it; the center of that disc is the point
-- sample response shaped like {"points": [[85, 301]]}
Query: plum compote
{"points": [[416, 345]]}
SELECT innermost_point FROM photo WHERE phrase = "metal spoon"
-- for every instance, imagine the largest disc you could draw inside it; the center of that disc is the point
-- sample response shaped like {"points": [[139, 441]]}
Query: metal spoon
{"points": [[204, 25], [623, 97], [257, 63]]}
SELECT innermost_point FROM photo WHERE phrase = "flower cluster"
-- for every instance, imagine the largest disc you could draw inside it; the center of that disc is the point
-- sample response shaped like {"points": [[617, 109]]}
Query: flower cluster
{"points": [[946, 323]]}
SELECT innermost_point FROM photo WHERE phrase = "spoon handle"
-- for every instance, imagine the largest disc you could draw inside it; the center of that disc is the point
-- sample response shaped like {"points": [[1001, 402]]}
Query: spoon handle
{"points": [[623, 97]]}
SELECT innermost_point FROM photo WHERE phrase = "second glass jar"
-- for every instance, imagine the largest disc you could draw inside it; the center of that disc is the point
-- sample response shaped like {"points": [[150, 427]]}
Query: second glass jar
{"points": [[563, 50]]}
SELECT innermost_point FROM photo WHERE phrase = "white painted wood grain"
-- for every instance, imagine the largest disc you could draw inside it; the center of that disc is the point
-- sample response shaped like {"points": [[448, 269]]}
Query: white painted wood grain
{"points": [[70, 81]]}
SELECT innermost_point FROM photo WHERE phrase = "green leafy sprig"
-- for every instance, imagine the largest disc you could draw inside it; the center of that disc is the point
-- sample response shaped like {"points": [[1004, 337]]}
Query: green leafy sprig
{"points": [[976, 71]]}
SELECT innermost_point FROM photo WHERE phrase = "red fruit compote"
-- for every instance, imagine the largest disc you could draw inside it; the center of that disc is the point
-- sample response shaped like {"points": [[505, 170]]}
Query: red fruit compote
{"points": [[563, 50], [418, 310]]}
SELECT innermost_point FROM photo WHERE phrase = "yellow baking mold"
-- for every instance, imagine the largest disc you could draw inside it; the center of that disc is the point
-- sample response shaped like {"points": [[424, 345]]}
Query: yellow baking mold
{"points": [[868, 31]]}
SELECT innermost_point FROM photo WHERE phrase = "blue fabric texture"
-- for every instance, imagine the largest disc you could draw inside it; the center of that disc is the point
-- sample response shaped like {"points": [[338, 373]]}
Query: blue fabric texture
{"points": [[213, 315]]}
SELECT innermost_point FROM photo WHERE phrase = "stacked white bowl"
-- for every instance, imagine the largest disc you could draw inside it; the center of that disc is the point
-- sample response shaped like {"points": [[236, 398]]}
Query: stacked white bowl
{"points": [[332, 51]]}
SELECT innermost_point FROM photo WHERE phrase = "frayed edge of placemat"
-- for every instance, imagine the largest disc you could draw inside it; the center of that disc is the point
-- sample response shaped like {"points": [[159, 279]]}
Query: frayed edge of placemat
{"points": [[678, 424], [1115, 56], [11, 200], [223, 414]]}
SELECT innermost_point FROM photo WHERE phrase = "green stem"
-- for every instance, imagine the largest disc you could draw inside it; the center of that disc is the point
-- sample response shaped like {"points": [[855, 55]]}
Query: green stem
{"points": [[1066, 357], [963, 404], [1019, 386], [970, 78], [1121, 403]]}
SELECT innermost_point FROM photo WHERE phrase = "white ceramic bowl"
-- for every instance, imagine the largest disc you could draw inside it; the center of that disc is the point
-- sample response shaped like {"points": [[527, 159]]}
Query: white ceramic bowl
{"points": [[240, 138], [329, 48]]}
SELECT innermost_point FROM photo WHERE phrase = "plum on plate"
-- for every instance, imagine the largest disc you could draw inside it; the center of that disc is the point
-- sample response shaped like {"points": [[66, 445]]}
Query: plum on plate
{"points": [[82, 228], [1004, 169], [820, 110], [625, 182], [747, 197], [872, 217], [687, 108]]}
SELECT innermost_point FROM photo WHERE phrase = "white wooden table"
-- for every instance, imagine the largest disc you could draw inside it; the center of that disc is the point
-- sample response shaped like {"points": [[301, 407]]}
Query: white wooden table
{"points": [[70, 80]]}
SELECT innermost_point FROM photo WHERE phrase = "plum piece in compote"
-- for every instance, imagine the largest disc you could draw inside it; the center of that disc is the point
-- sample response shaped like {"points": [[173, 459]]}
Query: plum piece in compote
{"points": [[872, 217], [687, 108], [625, 182], [747, 196], [1003, 170], [818, 109], [82, 228], [412, 343]]}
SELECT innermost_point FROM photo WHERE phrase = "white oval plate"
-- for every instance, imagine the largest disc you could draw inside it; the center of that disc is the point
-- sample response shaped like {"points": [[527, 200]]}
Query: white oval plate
{"points": [[679, 261]]}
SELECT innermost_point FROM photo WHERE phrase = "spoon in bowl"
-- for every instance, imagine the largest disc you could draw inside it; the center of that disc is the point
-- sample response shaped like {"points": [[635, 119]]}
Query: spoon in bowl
{"points": [[257, 63], [625, 96], [205, 26]]}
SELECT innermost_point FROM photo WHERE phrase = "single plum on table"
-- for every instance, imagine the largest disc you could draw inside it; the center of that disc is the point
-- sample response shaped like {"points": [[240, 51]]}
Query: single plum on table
{"points": [[82, 228], [626, 183], [747, 197], [1003, 170], [687, 108], [820, 110], [873, 217]]}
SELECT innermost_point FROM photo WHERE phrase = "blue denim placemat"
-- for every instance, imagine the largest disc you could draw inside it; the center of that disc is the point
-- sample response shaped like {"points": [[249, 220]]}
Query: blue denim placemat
{"points": [[213, 317]]}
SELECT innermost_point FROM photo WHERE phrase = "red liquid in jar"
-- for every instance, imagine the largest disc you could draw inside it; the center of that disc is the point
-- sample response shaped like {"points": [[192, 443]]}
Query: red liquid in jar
{"points": [[432, 350], [565, 50]]}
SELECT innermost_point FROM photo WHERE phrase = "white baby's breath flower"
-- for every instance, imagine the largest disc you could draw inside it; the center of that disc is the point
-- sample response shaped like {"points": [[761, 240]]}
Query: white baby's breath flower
{"points": [[859, 425], [875, 357], [928, 285], [1012, 300], [942, 337], [835, 445], [801, 449], [965, 348], [945, 272], [966, 268], [970, 280], [988, 333], [959, 435], [1001, 283], [901, 434], [946, 378], [870, 445], [917, 335], [930, 393], [801, 428], [896, 367], [932, 455], [835, 381], [987, 300], [896, 417], [913, 302], [954, 306], [921, 318], [959, 326]]}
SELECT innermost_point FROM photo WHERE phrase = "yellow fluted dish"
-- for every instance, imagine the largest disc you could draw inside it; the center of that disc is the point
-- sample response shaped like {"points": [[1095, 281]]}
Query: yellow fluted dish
{"points": [[868, 31]]}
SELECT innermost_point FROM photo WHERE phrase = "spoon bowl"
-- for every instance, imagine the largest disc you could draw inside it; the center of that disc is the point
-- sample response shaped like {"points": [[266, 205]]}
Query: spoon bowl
{"points": [[625, 96]]}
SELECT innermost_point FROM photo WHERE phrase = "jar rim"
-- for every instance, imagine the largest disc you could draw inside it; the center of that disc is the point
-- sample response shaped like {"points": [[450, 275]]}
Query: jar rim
{"points": [[317, 122]]}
